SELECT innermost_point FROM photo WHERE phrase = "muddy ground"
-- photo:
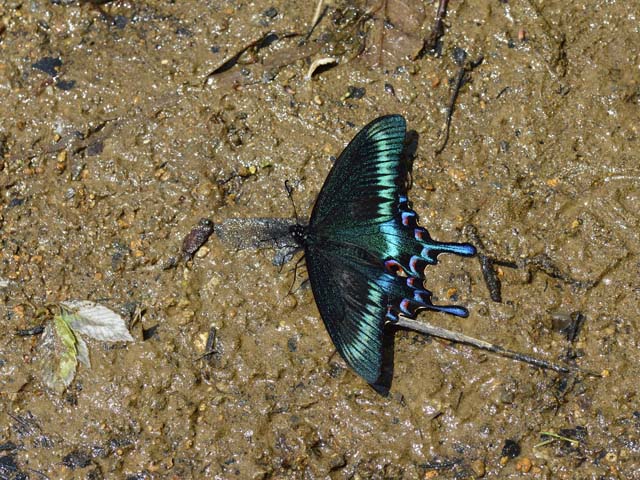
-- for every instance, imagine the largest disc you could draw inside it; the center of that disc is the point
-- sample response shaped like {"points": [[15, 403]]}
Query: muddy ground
{"points": [[120, 128]]}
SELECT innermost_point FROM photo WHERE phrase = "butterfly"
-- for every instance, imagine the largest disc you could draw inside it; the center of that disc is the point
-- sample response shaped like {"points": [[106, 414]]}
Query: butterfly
{"points": [[365, 252]]}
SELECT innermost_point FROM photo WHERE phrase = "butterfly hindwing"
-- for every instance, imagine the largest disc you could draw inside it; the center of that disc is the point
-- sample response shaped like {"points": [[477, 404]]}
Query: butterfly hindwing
{"points": [[351, 307]]}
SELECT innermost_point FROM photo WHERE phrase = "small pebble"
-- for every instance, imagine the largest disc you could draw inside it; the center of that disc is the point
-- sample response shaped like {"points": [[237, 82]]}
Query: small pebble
{"points": [[524, 465], [15, 202], [271, 12], [61, 164], [289, 303], [337, 461], [356, 92], [389, 89], [65, 85], [478, 467]]}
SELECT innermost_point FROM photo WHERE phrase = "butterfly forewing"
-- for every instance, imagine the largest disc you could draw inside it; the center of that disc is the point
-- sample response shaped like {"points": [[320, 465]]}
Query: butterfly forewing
{"points": [[362, 185]]}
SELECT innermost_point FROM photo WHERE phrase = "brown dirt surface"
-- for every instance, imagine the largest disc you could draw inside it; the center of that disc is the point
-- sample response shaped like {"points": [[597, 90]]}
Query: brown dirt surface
{"points": [[123, 124]]}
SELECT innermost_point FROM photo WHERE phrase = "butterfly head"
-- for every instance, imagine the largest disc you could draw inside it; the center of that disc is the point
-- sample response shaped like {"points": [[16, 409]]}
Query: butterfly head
{"points": [[299, 233]]}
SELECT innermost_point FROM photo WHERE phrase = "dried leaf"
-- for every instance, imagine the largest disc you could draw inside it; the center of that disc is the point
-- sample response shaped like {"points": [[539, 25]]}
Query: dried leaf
{"points": [[95, 321], [267, 61], [83, 352], [59, 355], [396, 34]]}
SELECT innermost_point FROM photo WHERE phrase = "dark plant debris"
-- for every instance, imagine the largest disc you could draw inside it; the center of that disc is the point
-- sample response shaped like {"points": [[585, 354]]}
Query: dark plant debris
{"points": [[76, 459], [437, 29], [261, 64], [510, 449], [487, 264], [48, 65], [29, 332], [196, 238], [463, 77], [395, 34]]}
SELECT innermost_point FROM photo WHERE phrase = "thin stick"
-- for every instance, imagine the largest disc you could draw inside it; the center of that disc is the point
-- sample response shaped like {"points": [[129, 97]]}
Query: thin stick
{"points": [[437, 30], [428, 329], [320, 9], [555, 436]]}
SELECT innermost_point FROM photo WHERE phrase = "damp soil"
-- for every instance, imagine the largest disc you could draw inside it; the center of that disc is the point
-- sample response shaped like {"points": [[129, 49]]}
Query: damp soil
{"points": [[122, 125]]}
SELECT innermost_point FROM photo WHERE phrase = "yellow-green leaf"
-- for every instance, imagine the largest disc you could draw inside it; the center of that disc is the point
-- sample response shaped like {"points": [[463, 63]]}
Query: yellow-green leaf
{"points": [[60, 355]]}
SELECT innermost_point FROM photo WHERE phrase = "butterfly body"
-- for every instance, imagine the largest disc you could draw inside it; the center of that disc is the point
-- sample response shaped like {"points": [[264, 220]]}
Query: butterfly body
{"points": [[364, 249]]}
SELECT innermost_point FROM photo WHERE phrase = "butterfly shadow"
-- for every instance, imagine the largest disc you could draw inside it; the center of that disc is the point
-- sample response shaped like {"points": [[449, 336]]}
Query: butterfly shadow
{"points": [[383, 385]]}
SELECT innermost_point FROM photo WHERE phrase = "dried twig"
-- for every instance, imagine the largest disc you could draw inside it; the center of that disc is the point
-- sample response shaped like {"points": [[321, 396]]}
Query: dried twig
{"points": [[432, 330], [437, 30], [461, 78], [317, 16]]}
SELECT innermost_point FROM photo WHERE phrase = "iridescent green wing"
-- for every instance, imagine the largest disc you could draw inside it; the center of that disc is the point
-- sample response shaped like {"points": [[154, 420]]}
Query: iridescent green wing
{"points": [[365, 252]]}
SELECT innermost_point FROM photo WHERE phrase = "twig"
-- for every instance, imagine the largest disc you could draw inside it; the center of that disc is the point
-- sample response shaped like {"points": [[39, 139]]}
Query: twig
{"points": [[210, 347], [437, 30], [432, 330], [461, 78], [554, 437], [487, 265], [317, 16]]}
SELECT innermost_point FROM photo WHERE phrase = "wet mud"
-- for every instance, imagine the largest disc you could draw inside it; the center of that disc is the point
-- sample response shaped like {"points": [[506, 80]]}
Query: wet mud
{"points": [[122, 124]]}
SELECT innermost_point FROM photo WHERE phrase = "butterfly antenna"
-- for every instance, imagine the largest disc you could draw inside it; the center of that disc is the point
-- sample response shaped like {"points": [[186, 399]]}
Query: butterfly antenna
{"points": [[289, 190], [434, 331]]}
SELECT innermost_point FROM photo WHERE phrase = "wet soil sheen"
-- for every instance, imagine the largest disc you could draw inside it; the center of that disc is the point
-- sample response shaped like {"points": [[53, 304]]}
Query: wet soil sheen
{"points": [[122, 125]]}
